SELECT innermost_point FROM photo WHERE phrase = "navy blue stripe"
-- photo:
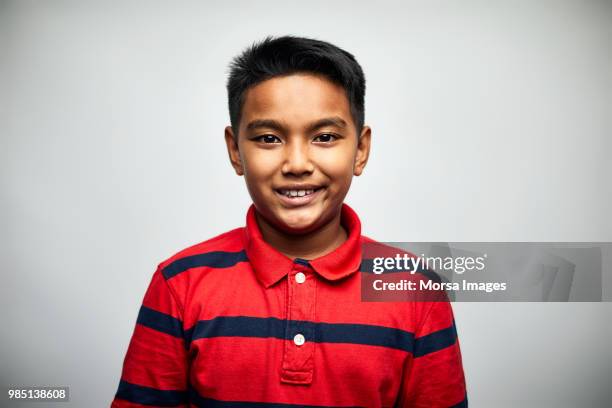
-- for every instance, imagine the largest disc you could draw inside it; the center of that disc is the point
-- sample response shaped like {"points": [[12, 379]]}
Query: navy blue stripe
{"points": [[160, 321], [237, 326], [364, 334], [302, 261], [150, 396], [202, 402], [372, 335], [435, 341], [244, 326], [216, 259]]}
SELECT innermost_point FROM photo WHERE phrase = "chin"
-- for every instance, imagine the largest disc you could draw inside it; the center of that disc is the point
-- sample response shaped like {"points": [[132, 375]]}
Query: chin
{"points": [[298, 223]]}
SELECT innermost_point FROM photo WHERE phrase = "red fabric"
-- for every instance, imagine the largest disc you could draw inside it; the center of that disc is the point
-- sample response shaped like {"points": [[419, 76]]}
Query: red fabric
{"points": [[219, 319]]}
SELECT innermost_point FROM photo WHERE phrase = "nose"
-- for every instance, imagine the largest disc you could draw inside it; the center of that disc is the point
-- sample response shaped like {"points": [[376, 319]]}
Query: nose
{"points": [[297, 160]]}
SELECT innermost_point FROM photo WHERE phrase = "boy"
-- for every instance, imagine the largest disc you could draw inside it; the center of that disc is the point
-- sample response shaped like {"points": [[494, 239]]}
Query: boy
{"points": [[270, 314]]}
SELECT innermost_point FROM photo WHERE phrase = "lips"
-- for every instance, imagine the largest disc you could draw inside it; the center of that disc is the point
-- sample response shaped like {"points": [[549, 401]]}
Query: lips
{"points": [[295, 197], [291, 193]]}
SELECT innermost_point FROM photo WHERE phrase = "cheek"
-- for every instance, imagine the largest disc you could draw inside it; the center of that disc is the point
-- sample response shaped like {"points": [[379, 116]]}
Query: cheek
{"points": [[339, 167], [259, 167], [342, 171]]}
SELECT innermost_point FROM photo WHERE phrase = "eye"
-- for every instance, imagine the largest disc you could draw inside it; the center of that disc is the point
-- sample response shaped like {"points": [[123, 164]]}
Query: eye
{"points": [[326, 138], [267, 139]]}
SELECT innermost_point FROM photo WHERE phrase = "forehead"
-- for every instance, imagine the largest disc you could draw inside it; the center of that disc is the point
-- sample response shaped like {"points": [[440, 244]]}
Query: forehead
{"points": [[296, 99]]}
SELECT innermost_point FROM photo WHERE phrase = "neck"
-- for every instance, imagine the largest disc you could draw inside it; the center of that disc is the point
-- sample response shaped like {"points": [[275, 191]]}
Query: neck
{"points": [[306, 246]]}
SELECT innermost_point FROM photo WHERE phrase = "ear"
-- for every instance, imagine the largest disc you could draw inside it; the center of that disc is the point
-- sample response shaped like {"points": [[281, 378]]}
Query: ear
{"points": [[363, 150], [232, 150]]}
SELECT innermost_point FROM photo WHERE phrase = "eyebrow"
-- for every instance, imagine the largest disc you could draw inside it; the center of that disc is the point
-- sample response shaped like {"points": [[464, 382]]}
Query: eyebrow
{"points": [[274, 124]]}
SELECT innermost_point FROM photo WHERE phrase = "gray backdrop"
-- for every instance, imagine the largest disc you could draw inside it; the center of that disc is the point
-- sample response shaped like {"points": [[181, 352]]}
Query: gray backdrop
{"points": [[491, 121]]}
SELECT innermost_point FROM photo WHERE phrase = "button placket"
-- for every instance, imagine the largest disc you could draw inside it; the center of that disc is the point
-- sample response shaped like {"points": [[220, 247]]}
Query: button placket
{"points": [[298, 362]]}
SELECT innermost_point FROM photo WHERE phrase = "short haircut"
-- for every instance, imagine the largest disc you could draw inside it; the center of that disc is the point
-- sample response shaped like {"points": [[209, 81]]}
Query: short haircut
{"points": [[287, 55]]}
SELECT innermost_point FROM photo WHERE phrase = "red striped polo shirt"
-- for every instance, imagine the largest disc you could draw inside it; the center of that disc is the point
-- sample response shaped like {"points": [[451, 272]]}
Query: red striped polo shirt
{"points": [[232, 322]]}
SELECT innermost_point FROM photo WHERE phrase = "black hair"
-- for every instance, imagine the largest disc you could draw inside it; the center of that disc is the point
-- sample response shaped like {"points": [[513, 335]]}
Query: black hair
{"points": [[287, 55]]}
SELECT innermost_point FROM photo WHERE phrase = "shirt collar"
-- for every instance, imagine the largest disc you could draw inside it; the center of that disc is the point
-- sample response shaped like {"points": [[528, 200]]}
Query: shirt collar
{"points": [[270, 265]]}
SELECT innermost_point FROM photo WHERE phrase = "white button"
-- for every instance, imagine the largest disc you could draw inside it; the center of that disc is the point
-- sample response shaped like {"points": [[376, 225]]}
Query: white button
{"points": [[299, 339], [300, 277]]}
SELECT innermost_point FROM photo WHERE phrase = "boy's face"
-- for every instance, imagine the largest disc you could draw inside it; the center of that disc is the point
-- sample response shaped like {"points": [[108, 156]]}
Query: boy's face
{"points": [[296, 135]]}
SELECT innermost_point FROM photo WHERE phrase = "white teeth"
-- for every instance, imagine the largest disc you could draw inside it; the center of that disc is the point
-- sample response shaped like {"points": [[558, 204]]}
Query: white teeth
{"points": [[296, 193]]}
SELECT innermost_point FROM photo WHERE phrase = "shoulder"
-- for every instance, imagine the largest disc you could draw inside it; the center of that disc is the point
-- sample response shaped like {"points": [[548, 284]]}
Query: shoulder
{"points": [[366, 239], [373, 248], [227, 244]]}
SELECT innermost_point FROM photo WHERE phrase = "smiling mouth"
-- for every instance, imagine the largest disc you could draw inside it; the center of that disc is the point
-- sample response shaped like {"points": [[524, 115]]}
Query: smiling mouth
{"points": [[297, 193]]}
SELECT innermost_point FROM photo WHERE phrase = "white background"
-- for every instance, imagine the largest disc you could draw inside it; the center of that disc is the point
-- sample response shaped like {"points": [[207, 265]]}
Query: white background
{"points": [[491, 122]]}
